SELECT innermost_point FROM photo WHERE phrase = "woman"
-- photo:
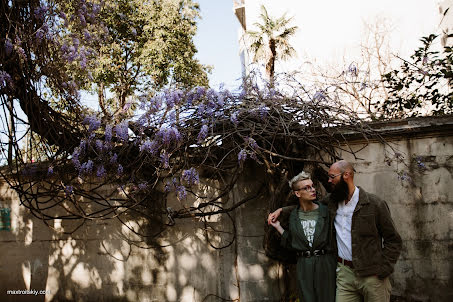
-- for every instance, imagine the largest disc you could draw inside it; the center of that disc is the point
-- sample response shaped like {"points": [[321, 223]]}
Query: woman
{"points": [[310, 234]]}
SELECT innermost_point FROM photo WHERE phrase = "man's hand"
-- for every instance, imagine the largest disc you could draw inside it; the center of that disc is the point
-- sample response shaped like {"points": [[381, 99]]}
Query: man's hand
{"points": [[272, 218]]}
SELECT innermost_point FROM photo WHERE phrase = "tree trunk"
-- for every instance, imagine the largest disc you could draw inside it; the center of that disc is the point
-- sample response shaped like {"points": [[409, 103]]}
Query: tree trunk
{"points": [[11, 130], [270, 66]]}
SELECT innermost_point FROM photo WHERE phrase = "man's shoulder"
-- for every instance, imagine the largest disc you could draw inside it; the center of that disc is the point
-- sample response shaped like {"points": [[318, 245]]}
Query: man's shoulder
{"points": [[371, 197], [325, 200]]}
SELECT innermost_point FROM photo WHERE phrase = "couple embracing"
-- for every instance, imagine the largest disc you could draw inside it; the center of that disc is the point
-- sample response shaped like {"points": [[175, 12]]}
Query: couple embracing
{"points": [[347, 243]]}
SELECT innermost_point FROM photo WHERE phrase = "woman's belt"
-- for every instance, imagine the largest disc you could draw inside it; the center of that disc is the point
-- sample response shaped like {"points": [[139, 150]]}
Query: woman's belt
{"points": [[308, 254]]}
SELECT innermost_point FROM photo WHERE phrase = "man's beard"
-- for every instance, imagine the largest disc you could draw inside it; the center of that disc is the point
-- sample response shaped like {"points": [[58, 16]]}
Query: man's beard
{"points": [[340, 191]]}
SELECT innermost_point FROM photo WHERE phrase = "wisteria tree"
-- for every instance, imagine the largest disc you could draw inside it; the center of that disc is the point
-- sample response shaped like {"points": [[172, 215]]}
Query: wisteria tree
{"points": [[71, 162]]}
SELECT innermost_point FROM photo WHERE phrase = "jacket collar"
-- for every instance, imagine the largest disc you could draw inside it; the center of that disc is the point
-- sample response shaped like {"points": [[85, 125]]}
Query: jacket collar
{"points": [[363, 199]]}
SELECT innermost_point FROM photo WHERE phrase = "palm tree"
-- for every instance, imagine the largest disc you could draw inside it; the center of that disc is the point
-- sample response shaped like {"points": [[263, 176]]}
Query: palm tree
{"points": [[271, 41]]}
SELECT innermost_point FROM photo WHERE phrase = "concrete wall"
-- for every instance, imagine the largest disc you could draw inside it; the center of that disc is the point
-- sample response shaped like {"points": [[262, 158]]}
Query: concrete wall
{"points": [[419, 192], [97, 263]]}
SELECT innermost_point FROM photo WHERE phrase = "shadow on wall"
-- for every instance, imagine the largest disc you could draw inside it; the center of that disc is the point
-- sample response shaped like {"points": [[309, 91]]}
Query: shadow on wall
{"points": [[107, 261], [90, 264]]}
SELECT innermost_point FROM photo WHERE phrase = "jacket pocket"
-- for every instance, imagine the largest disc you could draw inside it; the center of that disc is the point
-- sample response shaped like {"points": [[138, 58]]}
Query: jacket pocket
{"points": [[366, 225]]}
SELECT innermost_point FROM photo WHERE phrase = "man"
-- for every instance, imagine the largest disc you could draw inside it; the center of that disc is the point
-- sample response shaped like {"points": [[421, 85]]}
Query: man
{"points": [[367, 241]]}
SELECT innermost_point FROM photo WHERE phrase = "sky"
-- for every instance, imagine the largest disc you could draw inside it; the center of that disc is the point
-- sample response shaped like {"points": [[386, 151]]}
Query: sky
{"points": [[217, 42], [330, 31]]}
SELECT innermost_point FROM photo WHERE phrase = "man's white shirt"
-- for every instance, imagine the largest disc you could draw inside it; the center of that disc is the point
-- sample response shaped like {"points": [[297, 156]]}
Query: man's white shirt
{"points": [[343, 223]]}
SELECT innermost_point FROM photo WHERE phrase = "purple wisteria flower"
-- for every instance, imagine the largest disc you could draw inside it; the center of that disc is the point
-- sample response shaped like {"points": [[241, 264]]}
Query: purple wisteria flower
{"points": [[172, 185], [99, 145], [87, 167], [203, 133], [319, 96], [40, 33], [420, 163], [201, 109], [100, 171], [191, 176], [199, 92], [5, 80], [252, 143], [108, 133], [221, 100], [69, 190], [363, 85], [142, 185], [172, 117], [155, 104], [211, 108], [173, 98], [127, 106], [8, 46], [82, 19], [168, 187], [114, 158], [75, 158], [71, 54], [120, 170], [143, 120], [181, 192], [86, 35], [82, 146], [122, 131], [40, 12], [164, 159], [76, 42], [83, 61], [353, 70], [242, 156], [272, 93], [93, 123], [403, 176], [149, 146], [169, 134]]}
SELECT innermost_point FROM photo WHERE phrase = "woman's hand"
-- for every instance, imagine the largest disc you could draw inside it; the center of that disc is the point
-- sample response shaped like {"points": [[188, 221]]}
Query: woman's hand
{"points": [[273, 216], [277, 226]]}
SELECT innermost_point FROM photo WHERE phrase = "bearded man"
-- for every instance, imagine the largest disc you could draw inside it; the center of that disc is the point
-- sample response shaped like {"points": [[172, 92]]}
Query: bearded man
{"points": [[367, 241]]}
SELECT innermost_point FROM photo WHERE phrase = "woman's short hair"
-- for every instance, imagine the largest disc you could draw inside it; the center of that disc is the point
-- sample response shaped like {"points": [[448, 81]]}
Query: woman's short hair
{"points": [[301, 176]]}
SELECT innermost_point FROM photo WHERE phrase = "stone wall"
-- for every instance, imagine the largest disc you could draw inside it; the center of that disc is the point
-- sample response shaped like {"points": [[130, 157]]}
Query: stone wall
{"points": [[97, 263]]}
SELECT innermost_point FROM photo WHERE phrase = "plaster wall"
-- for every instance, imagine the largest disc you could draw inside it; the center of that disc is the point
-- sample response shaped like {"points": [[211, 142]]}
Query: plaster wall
{"points": [[418, 190]]}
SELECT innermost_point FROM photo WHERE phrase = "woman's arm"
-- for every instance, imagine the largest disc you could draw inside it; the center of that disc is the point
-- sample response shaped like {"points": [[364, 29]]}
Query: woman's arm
{"points": [[284, 211], [277, 226]]}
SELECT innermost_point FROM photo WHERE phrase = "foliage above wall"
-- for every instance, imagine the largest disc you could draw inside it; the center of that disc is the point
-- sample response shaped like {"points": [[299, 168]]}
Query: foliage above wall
{"points": [[423, 85]]}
